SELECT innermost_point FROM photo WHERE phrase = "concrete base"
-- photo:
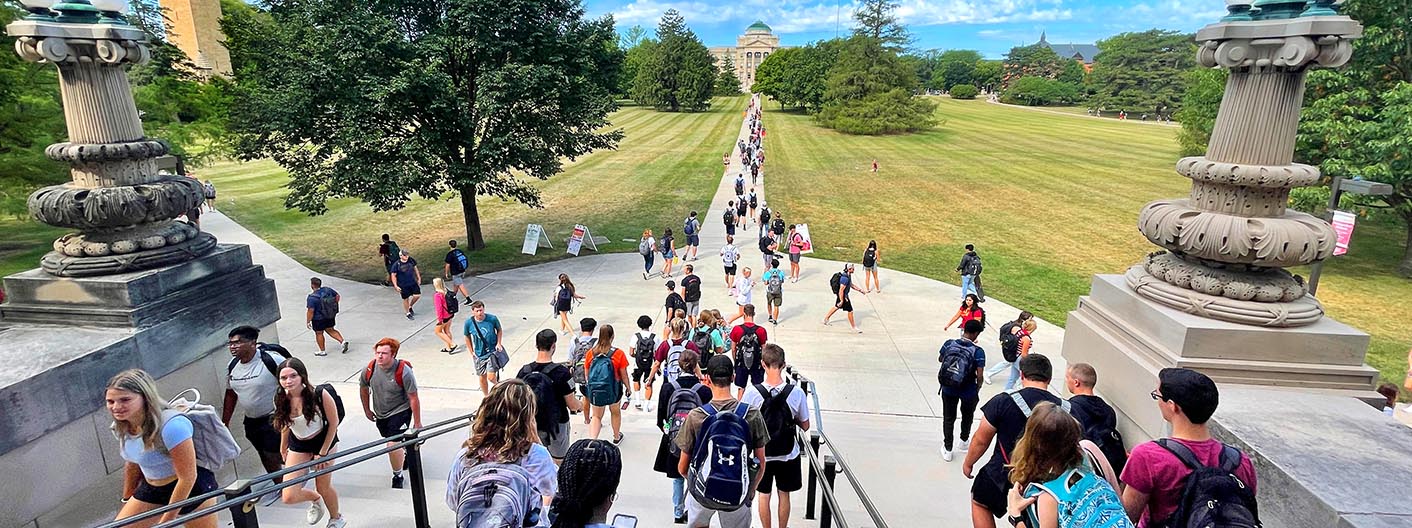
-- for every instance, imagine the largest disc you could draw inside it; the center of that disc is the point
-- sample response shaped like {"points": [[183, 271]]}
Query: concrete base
{"points": [[1126, 337], [65, 337]]}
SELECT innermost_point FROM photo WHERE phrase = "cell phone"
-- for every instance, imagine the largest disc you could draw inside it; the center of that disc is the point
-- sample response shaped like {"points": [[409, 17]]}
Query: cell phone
{"points": [[624, 521]]}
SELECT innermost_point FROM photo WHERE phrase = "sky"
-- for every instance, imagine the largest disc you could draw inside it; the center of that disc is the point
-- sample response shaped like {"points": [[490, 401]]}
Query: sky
{"points": [[989, 26]]}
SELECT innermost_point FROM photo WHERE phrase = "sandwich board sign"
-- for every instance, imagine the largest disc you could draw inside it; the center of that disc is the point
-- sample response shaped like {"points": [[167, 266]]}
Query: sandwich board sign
{"points": [[535, 239], [579, 237]]}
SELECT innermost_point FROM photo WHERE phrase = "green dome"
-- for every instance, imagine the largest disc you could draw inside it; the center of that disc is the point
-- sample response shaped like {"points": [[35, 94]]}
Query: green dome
{"points": [[758, 26]]}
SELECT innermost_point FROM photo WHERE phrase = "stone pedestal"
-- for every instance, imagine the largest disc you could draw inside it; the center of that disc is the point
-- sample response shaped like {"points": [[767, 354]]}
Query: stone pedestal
{"points": [[1129, 338]]}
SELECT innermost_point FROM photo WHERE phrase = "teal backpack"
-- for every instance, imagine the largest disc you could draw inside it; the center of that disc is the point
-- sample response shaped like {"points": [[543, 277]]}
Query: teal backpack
{"points": [[1085, 501], [603, 386]]}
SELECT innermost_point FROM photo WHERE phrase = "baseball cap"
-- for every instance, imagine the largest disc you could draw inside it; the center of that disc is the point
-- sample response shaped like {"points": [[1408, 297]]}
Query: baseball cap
{"points": [[720, 366]]}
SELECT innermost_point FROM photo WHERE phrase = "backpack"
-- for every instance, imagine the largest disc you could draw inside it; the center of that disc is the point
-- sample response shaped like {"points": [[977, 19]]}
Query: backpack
{"points": [[719, 476], [565, 295], [748, 349], [644, 247], [778, 225], [261, 350], [453, 304], [765, 242], [492, 495], [1096, 429], [546, 411], [393, 251], [679, 405], [1212, 495], [702, 340], [396, 372], [958, 363], [692, 285], [688, 228], [215, 446], [754, 200], [779, 420], [870, 257], [460, 262], [603, 387], [729, 217], [643, 349], [774, 283], [328, 304], [671, 369], [576, 359], [337, 400], [739, 186], [1009, 341], [834, 282], [1086, 501]]}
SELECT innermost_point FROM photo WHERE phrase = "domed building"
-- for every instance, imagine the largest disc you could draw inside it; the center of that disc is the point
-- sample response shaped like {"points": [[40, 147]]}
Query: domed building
{"points": [[749, 51]]}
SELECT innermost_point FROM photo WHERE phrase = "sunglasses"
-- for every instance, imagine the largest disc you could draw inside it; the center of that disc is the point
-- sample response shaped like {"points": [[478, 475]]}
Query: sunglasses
{"points": [[1158, 396]]}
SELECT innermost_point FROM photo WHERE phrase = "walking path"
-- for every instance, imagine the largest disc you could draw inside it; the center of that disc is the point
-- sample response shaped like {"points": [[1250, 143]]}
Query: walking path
{"points": [[1070, 114], [878, 389]]}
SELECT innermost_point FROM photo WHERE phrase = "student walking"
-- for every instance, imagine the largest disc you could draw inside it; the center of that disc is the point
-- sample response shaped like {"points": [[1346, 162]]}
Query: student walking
{"points": [[669, 253], [1023, 343], [388, 390], [691, 293], [707, 335], [607, 384], [743, 294], [503, 439], [252, 377], [742, 210], [754, 201], [578, 359], [159, 451], [665, 357], [774, 291], [321, 310], [749, 341], [841, 283], [389, 252], [729, 256], [768, 245], [446, 306], [674, 303], [485, 339], [407, 280], [764, 217], [588, 485], [737, 434], [678, 398], [729, 218], [1097, 419], [691, 227], [1053, 483], [647, 247], [962, 364], [970, 310], [796, 251], [1003, 421], [785, 409], [455, 269], [970, 270], [777, 227], [564, 296], [871, 259], [310, 434], [1009, 337], [644, 351], [553, 389]]}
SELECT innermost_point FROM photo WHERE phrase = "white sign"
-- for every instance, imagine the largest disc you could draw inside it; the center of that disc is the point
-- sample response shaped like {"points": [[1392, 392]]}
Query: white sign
{"points": [[534, 239], [581, 236], [803, 230]]}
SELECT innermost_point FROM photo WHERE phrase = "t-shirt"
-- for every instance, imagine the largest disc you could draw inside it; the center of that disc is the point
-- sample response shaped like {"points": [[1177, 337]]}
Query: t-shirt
{"points": [[1009, 420], [1090, 409], [560, 379], [674, 302], [667, 245], [486, 340], [1153, 470], [619, 359], [156, 463], [729, 254], [405, 272], [686, 437], [798, 405], [695, 227], [313, 302], [743, 288], [844, 280], [255, 385], [544, 475], [968, 390], [666, 345], [739, 331], [453, 258], [384, 394], [796, 244], [692, 284], [774, 272]]}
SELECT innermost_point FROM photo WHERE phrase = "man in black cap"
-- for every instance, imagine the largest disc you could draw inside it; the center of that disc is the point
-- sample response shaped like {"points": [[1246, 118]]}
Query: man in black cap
{"points": [[720, 372]]}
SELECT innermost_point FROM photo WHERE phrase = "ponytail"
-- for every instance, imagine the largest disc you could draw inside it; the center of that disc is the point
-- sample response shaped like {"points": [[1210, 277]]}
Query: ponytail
{"points": [[588, 478]]}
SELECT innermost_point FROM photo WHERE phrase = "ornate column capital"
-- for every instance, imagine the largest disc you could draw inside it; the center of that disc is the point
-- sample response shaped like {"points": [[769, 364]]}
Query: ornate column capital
{"points": [[60, 43], [1284, 44]]}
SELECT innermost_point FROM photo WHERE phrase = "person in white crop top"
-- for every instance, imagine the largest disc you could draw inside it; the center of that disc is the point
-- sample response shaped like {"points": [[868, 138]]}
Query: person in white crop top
{"points": [[161, 456], [307, 418]]}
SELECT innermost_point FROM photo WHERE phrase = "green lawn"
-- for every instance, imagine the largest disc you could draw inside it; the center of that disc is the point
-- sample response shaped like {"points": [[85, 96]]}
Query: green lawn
{"points": [[1049, 200]]}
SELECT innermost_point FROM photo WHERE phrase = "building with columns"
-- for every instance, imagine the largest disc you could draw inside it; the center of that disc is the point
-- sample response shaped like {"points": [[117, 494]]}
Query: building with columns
{"points": [[749, 51]]}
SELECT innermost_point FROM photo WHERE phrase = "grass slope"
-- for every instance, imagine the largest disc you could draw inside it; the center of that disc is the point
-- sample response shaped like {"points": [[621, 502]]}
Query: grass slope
{"points": [[1048, 199]]}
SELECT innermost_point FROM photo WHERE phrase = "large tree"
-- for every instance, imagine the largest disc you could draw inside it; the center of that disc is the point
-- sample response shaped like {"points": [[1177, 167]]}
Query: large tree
{"points": [[1035, 60], [31, 118], [956, 67], [680, 74], [727, 84], [385, 100], [639, 54], [877, 19], [1142, 71], [869, 91], [988, 74]]}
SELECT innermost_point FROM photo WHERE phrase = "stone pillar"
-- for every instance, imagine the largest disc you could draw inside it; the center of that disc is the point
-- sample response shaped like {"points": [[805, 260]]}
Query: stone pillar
{"points": [[122, 208]]}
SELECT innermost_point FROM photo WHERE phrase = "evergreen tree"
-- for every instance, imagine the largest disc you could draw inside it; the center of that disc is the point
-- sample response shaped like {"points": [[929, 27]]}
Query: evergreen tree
{"points": [[1143, 71], [869, 91], [680, 74], [727, 84], [877, 19]]}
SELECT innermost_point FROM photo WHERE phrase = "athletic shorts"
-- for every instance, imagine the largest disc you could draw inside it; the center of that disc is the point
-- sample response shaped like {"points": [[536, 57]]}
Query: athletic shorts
{"points": [[448, 319], [730, 270], [730, 229], [457, 281], [785, 474], [990, 488], [794, 257], [162, 495], [486, 364], [395, 424], [693, 308], [774, 298], [643, 368], [408, 291], [557, 440], [261, 433], [744, 374], [693, 240], [847, 305], [320, 325]]}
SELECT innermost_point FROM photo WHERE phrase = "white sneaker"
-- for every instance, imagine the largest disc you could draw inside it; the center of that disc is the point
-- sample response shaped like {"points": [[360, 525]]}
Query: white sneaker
{"points": [[963, 445], [337, 523], [637, 404], [946, 455], [987, 380], [316, 511]]}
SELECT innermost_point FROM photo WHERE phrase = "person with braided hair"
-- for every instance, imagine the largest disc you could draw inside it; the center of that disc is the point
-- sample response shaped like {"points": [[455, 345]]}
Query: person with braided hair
{"points": [[588, 483]]}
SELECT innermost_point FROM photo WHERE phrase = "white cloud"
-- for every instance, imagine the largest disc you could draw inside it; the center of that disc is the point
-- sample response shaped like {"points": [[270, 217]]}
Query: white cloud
{"points": [[1171, 13], [795, 16]]}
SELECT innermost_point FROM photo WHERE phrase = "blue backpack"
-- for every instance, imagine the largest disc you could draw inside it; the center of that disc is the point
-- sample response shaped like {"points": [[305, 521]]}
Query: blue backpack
{"points": [[1085, 501], [721, 463], [603, 386]]}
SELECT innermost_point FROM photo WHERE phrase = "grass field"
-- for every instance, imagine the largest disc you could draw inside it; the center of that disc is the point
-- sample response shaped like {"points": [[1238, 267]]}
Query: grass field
{"points": [[1049, 200]]}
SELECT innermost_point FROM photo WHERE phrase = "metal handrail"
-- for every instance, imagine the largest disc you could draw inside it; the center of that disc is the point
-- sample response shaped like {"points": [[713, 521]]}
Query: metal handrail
{"points": [[828, 465], [239, 492]]}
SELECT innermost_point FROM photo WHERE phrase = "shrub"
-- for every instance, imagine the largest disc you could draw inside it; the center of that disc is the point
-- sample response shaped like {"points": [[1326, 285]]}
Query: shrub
{"points": [[890, 112], [1040, 91], [964, 91]]}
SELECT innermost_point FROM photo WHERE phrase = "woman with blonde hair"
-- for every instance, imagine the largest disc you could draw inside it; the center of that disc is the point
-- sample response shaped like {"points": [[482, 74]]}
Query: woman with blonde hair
{"points": [[1055, 485], [604, 393], [157, 444], [564, 296], [310, 434], [443, 315], [647, 247], [504, 433]]}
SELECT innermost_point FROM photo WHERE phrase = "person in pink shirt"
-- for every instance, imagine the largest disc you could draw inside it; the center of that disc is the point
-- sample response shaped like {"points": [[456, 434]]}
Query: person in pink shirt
{"points": [[443, 315], [1155, 477]]}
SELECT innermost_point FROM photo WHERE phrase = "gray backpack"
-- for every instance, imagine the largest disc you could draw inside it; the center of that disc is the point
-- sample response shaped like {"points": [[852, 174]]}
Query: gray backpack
{"points": [[775, 284], [578, 357], [215, 446], [491, 495]]}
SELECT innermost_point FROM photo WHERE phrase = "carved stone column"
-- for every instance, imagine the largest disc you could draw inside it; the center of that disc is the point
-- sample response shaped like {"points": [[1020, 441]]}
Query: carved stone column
{"points": [[122, 209], [1227, 244]]}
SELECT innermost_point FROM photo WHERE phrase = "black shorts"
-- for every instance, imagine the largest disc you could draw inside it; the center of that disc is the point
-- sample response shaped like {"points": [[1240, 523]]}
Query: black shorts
{"points": [[394, 425], [990, 488], [787, 475], [847, 305], [162, 495], [408, 291], [730, 229], [261, 433], [644, 368], [730, 270], [743, 373], [312, 445], [320, 325], [563, 306]]}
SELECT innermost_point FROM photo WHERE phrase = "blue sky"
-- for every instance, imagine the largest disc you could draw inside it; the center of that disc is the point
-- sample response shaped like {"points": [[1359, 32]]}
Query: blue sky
{"points": [[990, 26]]}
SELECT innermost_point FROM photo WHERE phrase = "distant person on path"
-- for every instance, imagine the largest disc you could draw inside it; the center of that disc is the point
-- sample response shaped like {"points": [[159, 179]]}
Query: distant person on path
{"points": [[669, 252], [388, 390], [210, 190], [1003, 421], [730, 255], [970, 310], [728, 218], [796, 251], [252, 378], [841, 283], [1023, 344], [749, 341], [608, 384], [564, 296], [871, 259], [444, 301], [671, 305], [744, 289], [674, 404], [552, 382], [407, 280], [588, 485], [389, 252], [768, 246], [969, 268], [742, 213], [777, 227], [692, 435], [1157, 471], [1053, 483], [764, 219], [578, 356], [1009, 337], [754, 201], [457, 264], [485, 339], [310, 434], [774, 291], [691, 227], [647, 247], [644, 350], [158, 448], [691, 292], [321, 308], [960, 389], [503, 434], [740, 187], [784, 407]]}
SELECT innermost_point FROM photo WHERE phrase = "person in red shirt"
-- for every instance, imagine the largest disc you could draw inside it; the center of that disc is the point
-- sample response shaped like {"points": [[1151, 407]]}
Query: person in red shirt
{"points": [[748, 343], [970, 310]]}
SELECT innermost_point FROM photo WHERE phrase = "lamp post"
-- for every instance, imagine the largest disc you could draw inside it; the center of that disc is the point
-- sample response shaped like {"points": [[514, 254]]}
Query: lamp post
{"points": [[1336, 189], [123, 211]]}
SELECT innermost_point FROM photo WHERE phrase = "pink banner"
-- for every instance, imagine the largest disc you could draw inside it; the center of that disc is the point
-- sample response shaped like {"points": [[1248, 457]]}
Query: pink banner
{"points": [[1343, 227]]}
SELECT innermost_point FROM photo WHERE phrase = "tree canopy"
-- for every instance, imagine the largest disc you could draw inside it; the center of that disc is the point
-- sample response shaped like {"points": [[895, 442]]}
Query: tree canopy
{"points": [[798, 77], [727, 84], [679, 73], [956, 67], [877, 19], [1142, 71], [869, 91]]}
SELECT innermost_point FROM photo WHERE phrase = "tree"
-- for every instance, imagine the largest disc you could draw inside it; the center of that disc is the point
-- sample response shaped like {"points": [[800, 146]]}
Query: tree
{"points": [[956, 67], [630, 38], [1035, 60], [770, 75], [385, 100], [869, 91], [727, 84], [1355, 120], [680, 74], [31, 119], [988, 74], [1040, 91], [876, 20], [1197, 113], [1144, 71], [641, 53]]}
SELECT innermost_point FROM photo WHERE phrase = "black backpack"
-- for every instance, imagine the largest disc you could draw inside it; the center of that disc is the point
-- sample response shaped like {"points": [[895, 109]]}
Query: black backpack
{"points": [[747, 351], [765, 242], [779, 419], [337, 400], [1211, 496], [834, 282], [546, 412], [958, 362], [1100, 427], [728, 217], [453, 304], [643, 350], [740, 187], [1009, 341], [260, 353]]}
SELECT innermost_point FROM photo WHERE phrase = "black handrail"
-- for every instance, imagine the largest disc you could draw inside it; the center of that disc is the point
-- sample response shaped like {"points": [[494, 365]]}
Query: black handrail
{"points": [[239, 492], [828, 466]]}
